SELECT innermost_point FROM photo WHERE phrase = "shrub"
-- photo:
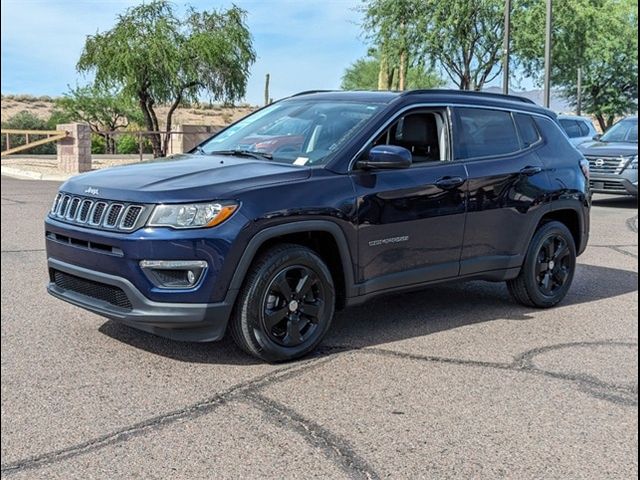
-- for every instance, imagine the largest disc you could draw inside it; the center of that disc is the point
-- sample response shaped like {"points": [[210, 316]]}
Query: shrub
{"points": [[127, 144], [98, 144], [26, 120]]}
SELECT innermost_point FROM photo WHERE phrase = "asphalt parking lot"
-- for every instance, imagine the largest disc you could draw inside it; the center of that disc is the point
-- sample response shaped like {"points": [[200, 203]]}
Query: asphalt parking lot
{"points": [[456, 381]]}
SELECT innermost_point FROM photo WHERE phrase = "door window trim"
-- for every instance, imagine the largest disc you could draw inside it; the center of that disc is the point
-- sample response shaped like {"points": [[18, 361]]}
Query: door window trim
{"points": [[432, 108], [449, 107], [515, 153]]}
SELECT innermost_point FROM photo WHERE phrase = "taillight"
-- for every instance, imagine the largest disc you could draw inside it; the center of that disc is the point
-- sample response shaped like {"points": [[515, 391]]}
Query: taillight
{"points": [[584, 166]]}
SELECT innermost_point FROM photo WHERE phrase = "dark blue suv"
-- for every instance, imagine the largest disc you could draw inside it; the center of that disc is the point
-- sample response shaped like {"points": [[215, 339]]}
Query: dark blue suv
{"points": [[318, 202]]}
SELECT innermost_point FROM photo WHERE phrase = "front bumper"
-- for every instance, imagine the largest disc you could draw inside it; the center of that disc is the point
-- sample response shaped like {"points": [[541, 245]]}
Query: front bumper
{"points": [[613, 184], [196, 322]]}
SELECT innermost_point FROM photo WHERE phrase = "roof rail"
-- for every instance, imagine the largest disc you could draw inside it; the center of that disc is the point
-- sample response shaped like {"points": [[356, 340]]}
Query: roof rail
{"points": [[308, 92], [514, 98]]}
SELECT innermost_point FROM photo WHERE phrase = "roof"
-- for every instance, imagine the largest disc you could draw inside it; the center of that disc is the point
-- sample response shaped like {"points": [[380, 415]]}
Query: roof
{"points": [[574, 117], [435, 95]]}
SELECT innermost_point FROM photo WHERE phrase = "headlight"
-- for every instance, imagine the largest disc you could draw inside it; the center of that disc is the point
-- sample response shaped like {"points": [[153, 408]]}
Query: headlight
{"points": [[191, 215], [633, 163]]}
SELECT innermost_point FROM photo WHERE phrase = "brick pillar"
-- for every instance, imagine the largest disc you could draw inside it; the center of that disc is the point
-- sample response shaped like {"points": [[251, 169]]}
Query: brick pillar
{"points": [[74, 151]]}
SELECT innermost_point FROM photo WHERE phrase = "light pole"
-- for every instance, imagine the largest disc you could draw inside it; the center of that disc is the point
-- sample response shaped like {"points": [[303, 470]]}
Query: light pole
{"points": [[579, 99], [547, 55], [505, 58]]}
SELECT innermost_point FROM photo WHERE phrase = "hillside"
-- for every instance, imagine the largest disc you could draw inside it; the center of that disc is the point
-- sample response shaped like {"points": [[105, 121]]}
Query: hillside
{"points": [[191, 115]]}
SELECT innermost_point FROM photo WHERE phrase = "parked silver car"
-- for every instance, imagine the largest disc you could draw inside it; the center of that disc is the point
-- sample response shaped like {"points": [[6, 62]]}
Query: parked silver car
{"points": [[613, 159], [578, 129]]}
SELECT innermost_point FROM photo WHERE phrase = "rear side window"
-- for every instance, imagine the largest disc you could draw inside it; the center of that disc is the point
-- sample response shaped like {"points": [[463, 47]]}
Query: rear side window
{"points": [[572, 128], [484, 133], [529, 134], [584, 129]]}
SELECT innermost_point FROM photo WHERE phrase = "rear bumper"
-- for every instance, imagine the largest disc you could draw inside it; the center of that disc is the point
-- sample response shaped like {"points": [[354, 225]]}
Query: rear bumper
{"points": [[196, 322], [613, 184]]}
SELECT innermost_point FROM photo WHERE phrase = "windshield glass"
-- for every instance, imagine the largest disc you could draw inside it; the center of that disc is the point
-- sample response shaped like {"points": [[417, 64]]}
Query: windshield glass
{"points": [[299, 132], [623, 131]]}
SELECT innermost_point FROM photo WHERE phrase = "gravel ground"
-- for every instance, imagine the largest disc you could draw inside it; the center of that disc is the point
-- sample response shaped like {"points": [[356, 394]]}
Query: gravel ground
{"points": [[455, 381]]}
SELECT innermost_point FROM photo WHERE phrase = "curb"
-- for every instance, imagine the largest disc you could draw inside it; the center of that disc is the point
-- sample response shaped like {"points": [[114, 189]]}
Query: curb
{"points": [[31, 175]]}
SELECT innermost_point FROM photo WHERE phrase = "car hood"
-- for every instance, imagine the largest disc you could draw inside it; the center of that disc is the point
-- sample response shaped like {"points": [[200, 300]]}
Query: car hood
{"points": [[182, 178], [608, 149]]}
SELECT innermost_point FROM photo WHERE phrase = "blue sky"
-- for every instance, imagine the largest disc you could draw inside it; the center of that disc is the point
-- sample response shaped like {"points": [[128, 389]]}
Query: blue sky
{"points": [[303, 44]]}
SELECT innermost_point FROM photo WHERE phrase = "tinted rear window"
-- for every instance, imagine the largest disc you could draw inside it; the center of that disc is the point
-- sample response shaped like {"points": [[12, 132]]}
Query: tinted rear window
{"points": [[584, 129], [571, 127], [527, 129], [485, 133]]}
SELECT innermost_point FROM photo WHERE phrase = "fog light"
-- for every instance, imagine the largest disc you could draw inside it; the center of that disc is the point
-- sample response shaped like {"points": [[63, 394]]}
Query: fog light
{"points": [[174, 273]]}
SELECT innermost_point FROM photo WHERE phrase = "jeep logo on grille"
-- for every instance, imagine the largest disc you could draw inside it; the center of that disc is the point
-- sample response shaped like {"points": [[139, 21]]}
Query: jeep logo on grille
{"points": [[599, 162], [92, 191]]}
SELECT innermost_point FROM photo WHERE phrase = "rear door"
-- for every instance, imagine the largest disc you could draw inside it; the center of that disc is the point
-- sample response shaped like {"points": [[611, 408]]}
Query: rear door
{"points": [[411, 221], [507, 184]]}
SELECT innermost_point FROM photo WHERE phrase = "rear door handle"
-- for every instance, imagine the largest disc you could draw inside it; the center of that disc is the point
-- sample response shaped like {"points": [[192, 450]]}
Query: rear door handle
{"points": [[529, 170], [448, 183]]}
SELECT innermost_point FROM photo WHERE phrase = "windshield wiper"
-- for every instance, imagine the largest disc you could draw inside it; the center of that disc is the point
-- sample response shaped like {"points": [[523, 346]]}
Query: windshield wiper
{"points": [[244, 153]]}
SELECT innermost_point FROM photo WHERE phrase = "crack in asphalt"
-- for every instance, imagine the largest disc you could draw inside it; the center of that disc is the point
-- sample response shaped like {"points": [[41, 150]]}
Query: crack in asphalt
{"points": [[23, 251], [625, 395], [190, 412], [335, 448], [615, 248]]}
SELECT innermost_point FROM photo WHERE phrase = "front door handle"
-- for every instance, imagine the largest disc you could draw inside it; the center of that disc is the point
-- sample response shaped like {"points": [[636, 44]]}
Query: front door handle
{"points": [[448, 183], [530, 170]]}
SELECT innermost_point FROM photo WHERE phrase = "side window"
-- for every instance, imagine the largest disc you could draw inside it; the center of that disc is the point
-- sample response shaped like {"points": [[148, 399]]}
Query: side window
{"points": [[571, 127], [424, 134], [584, 129], [484, 133], [527, 128]]}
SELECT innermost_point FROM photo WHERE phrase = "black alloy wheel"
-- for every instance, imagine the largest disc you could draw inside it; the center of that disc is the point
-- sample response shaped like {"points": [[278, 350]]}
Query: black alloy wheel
{"points": [[553, 265], [293, 306], [286, 304], [548, 268]]}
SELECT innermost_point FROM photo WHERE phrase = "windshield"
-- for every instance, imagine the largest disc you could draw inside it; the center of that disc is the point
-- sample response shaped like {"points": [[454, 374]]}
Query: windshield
{"points": [[299, 132], [624, 131]]}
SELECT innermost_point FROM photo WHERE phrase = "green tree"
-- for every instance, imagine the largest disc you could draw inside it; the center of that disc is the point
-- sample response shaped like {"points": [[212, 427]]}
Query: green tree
{"points": [[363, 75], [462, 37], [598, 36], [156, 57], [105, 111], [25, 120], [393, 27]]}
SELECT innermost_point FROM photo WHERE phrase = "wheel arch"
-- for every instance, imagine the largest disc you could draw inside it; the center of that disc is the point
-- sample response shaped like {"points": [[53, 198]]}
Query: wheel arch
{"points": [[570, 218], [323, 236]]}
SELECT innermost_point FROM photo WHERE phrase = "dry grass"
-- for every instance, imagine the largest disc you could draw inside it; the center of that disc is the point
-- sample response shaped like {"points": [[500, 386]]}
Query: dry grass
{"points": [[189, 115]]}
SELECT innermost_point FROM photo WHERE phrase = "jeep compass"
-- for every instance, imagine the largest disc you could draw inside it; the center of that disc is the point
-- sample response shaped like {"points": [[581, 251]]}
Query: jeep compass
{"points": [[374, 193]]}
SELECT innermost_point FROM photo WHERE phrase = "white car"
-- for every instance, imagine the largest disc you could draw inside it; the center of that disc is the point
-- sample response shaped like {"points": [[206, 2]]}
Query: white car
{"points": [[578, 129]]}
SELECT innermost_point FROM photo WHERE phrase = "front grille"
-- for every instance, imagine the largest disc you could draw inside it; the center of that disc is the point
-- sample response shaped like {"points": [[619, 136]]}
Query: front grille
{"points": [[98, 213], [113, 214], [130, 217], [73, 208], [97, 290], [611, 165], [608, 185], [85, 208]]}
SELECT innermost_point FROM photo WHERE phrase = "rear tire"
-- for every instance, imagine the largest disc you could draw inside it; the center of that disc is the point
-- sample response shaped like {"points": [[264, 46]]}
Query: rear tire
{"points": [[285, 306], [548, 268]]}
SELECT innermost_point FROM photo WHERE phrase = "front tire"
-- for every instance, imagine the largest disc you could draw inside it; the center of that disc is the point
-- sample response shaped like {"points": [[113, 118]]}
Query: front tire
{"points": [[548, 268], [286, 304]]}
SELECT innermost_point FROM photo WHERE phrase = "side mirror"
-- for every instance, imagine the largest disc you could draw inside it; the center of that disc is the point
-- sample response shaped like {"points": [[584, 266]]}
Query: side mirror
{"points": [[386, 156], [597, 137]]}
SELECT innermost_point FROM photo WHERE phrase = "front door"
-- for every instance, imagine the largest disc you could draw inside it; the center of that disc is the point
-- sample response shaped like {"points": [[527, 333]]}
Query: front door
{"points": [[411, 221]]}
